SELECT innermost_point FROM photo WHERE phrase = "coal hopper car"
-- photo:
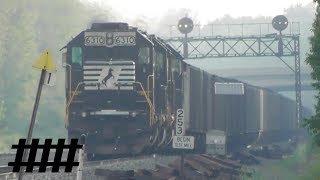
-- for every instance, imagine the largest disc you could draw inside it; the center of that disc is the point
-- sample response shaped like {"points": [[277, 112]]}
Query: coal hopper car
{"points": [[233, 121]]}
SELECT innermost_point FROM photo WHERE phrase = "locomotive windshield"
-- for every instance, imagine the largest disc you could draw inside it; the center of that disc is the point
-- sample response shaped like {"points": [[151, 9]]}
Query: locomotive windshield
{"points": [[104, 53], [115, 44]]}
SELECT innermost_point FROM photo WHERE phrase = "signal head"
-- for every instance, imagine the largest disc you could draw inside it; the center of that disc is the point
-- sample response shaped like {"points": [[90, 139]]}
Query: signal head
{"points": [[185, 25], [280, 22]]}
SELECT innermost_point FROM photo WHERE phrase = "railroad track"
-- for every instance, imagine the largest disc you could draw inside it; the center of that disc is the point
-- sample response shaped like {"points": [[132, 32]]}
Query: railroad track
{"points": [[108, 161], [221, 162], [7, 154], [7, 174], [211, 166], [6, 157], [194, 167], [6, 171]]}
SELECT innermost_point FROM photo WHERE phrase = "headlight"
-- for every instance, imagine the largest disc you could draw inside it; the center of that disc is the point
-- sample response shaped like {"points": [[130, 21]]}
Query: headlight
{"points": [[83, 114], [133, 114]]}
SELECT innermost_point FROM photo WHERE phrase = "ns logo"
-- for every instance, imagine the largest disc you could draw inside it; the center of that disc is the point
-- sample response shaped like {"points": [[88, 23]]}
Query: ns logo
{"points": [[107, 77]]}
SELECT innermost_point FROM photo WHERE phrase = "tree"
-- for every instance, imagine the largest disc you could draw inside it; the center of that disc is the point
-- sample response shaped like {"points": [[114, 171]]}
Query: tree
{"points": [[18, 50], [313, 59], [3, 121], [28, 27]]}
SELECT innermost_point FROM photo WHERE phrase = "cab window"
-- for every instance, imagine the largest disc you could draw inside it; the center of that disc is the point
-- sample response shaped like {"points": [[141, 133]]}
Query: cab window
{"points": [[159, 61], [76, 55], [143, 56], [175, 64]]}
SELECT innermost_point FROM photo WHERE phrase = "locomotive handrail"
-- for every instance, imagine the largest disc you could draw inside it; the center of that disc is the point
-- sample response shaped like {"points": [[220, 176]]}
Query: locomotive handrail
{"points": [[148, 84], [73, 94], [148, 90], [70, 101], [149, 103], [174, 97], [70, 68]]}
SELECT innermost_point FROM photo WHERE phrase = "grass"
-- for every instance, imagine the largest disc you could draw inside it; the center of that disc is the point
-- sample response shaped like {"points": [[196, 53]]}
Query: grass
{"points": [[304, 164]]}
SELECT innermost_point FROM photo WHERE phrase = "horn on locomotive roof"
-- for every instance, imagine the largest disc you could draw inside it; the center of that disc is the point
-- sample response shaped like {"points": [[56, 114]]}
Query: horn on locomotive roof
{"points": [[110, 25]]}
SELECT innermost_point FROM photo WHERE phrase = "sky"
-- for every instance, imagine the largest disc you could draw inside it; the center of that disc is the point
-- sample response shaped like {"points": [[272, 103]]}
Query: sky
{"points": [[205, 10]]}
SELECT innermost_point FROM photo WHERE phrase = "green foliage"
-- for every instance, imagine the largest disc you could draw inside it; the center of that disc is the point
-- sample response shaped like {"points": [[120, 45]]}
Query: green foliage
{"points": [[302, 165], [313, 123], [17, 52], [7, 139], [3, 121], [28, 27]]}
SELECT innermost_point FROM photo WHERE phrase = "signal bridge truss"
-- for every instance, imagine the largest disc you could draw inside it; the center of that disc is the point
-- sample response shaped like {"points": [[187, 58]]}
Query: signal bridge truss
{"points": [[242, 46], [285, 44]]}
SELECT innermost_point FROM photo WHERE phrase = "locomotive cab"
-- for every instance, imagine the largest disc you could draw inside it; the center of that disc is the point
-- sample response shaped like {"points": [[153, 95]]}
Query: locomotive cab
{"points": [[110, 62]]}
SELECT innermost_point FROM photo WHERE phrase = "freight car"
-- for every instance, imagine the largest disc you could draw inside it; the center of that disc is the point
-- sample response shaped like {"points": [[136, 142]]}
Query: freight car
{"points": [[259, 115], [123, 88]]}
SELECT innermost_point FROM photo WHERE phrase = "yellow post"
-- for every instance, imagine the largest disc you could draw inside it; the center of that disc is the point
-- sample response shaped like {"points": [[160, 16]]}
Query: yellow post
{"points": [[45, 63]]}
